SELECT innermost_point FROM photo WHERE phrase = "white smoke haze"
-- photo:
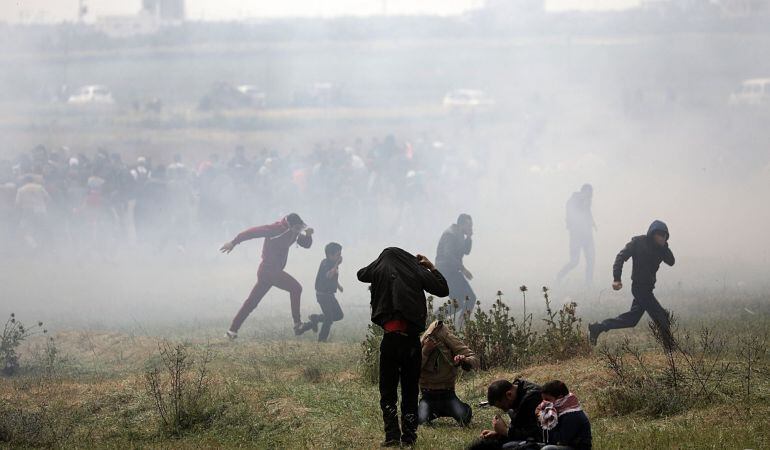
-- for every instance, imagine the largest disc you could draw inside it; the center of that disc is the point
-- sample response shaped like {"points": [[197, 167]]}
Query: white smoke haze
{"points": [[640, 111]]}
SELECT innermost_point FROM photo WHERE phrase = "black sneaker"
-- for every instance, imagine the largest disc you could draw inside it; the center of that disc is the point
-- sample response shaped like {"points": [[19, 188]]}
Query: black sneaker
{"points": [[594, 330], [314, 319], [391, 443]]}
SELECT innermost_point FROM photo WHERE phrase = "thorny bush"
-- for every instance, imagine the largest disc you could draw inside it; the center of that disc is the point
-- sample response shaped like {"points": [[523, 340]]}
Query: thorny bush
{"points": [[181, 389], [14, 333], [497, 337], [700, 369]]}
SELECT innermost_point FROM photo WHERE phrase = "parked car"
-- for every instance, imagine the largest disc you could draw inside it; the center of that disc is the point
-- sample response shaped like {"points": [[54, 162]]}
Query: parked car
{"points": [[467, 98], [319, 94], [93, 94], [753, 92], [257, 96], [227, 96]]}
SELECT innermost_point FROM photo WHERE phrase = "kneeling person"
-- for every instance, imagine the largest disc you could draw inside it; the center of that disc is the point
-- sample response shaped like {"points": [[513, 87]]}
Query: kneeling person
{"points": [[442, 354], [520, 400]]}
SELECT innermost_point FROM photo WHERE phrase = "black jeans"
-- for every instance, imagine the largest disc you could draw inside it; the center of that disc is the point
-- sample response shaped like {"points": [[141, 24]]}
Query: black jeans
{"points": [[400, 361], [461, 291], [444, 403], [644, 301], [488, 444], [332, 312]]}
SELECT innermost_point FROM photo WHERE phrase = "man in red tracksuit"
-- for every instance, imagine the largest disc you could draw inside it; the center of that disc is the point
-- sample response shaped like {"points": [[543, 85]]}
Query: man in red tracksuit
{"points": [[279, 237]]}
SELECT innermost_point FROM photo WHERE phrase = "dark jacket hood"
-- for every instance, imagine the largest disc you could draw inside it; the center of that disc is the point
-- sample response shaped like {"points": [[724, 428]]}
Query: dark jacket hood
{"points": [[657, 225]]}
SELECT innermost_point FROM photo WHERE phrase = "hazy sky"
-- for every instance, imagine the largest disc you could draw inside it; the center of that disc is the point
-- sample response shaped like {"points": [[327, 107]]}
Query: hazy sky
{"points": [[58, 10]]}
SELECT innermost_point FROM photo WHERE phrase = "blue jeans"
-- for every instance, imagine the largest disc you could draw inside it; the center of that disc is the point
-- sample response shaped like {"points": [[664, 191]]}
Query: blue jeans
{"points": [[443, 403]]}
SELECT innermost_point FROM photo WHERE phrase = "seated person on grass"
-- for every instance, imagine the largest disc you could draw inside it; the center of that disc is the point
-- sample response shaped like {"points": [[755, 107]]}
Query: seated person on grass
{"points": [[442, 354], [565, 425], [519, 399]]}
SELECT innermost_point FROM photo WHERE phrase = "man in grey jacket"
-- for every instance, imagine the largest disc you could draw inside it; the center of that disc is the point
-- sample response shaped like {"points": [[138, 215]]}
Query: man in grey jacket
{"points": [[454, 244]]}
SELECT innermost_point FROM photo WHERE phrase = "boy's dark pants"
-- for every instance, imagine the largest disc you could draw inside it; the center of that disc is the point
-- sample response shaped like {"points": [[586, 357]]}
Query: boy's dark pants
{"points": [[644, 301], [332, 312], [400, 361], [443, 403]]}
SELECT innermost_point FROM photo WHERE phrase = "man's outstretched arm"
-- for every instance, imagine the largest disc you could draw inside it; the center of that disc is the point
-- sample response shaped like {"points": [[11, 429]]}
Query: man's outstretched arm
{"points": [[271, 230]]}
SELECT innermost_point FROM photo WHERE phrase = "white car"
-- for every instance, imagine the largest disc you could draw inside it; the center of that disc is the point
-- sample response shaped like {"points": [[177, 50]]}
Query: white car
{"points": [[256, 95], [94, 94], [755, 91], [467, 98]]}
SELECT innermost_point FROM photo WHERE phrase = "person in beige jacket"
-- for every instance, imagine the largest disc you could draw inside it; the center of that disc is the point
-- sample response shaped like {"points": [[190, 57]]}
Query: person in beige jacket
{"points": [[442, 354]]}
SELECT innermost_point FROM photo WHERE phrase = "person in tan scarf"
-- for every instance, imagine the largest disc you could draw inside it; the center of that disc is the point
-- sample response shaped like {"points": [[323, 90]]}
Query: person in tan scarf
{"points": [[442, 354]]}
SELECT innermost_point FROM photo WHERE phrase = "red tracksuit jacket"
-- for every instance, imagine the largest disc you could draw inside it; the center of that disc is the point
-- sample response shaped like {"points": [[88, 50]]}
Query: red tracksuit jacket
{"points": [[278, 239]]}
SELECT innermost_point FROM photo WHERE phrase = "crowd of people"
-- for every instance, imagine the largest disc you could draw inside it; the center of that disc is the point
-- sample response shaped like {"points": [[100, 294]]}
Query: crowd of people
{"points": [[427, 360], [425, 363], [96, 202]]}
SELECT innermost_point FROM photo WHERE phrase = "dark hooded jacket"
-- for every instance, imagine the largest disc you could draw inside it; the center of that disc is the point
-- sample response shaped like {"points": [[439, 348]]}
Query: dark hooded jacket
{"points": [[524, 424], [397, 285], [647, 257]]}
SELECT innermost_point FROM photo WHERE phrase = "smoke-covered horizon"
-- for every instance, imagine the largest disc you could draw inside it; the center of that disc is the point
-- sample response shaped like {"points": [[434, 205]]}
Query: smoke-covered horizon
{"points": [[373, 145]]}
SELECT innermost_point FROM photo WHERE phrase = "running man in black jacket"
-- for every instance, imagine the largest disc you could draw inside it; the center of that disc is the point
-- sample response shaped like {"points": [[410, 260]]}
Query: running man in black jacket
{"points": [[647, 251], [398, 280]]}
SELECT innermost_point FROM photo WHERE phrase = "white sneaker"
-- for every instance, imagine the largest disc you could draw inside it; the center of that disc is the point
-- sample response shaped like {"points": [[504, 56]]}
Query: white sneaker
{"points": [[231, 335]]}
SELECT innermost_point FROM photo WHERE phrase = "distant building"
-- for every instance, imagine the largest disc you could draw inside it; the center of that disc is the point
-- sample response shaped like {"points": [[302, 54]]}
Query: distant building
{"points": [[724, 8], [744, 8], [165, 10], [154, 15], [515, 6]]}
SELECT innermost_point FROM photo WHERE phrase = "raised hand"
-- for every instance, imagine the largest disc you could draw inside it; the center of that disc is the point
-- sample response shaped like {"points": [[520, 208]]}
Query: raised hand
{"points": [[425, 262], [227, 247]]}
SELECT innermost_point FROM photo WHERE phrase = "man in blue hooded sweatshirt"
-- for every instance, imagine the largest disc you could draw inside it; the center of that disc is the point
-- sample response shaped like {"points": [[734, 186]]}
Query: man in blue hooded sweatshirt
{"points": [[647, 251]]}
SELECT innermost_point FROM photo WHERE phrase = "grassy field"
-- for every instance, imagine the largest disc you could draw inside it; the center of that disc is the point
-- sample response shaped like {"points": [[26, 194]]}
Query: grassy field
{"points": [[286, 392]]}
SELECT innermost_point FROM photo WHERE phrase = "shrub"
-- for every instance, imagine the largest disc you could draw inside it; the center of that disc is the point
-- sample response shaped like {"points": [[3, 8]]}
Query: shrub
{"points": [[497, 337], [693, 373], [46, 425], [369, 361], [181, 389], [563, 337], [14, 333]]}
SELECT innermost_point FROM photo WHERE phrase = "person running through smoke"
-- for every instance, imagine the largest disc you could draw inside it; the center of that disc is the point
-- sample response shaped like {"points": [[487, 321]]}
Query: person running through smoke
{"points": [[581, 226], [398, 303], [455, 243], [647, 251], [326, 285], [279, 237]]}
